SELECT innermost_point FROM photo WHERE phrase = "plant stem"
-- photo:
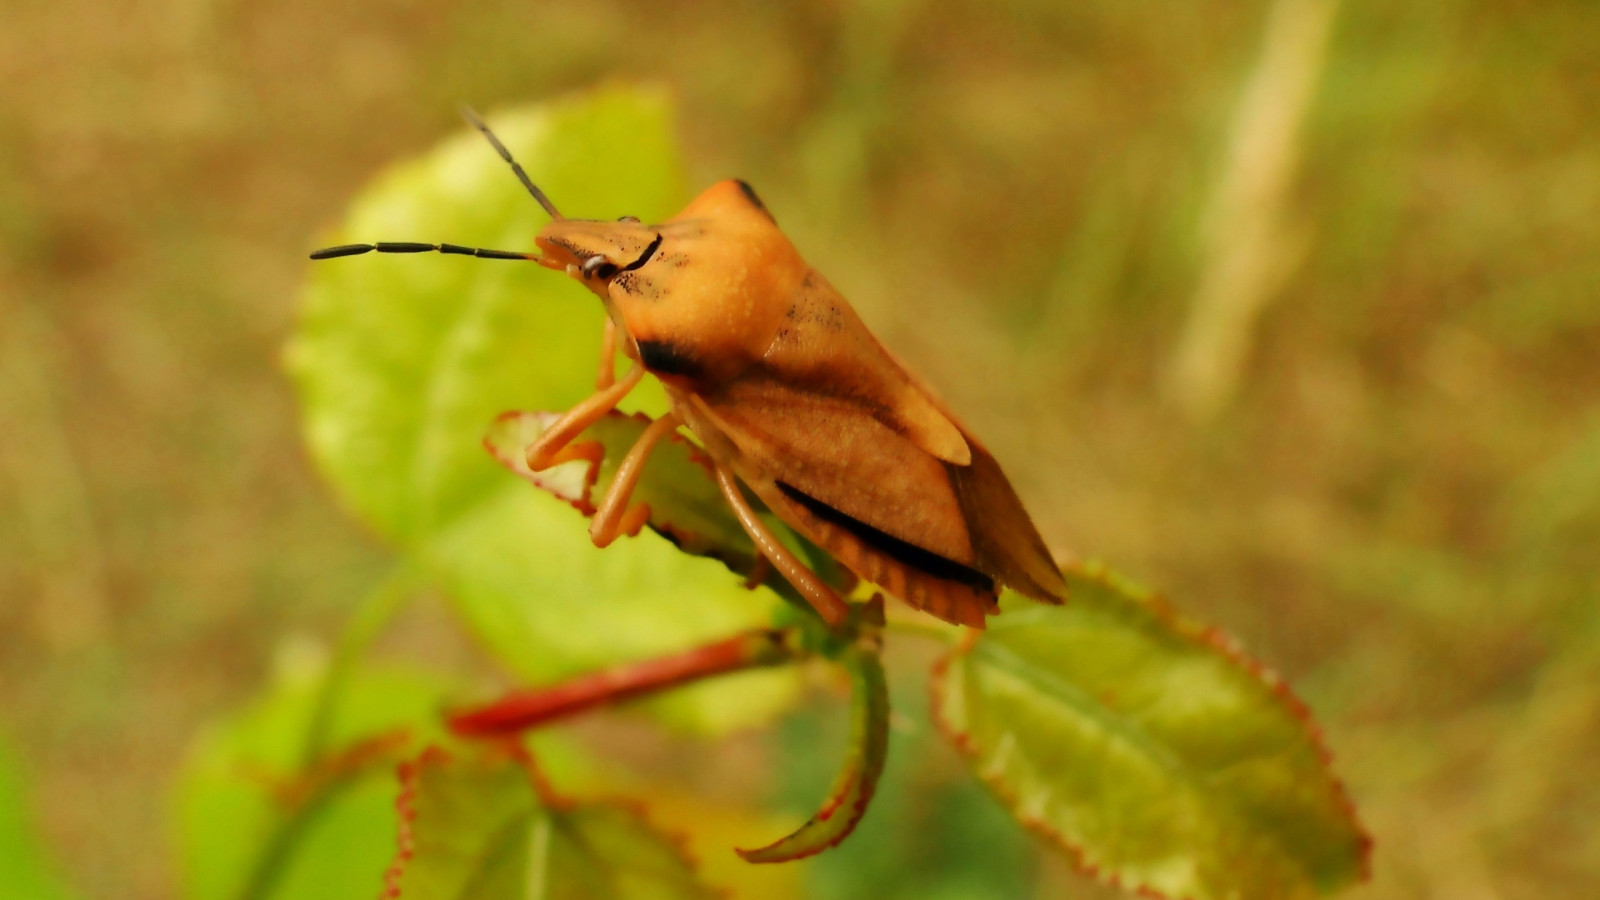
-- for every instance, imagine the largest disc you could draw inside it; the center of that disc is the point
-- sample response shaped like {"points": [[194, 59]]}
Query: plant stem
{"points": [[371, 615], [280, 846], [525, 709]]}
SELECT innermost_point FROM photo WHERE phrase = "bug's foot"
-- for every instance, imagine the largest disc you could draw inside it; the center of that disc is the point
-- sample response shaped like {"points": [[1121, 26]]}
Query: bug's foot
{"points": [[603, 533], [540, 458]]}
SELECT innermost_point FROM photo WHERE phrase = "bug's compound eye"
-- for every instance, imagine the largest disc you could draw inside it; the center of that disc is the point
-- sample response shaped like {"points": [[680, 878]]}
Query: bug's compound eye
{"points": [[631, 220], [599, 267]]}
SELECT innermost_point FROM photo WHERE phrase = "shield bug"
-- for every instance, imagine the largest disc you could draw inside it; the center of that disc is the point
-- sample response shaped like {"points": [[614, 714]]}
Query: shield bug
{"points": [[792, 398]]}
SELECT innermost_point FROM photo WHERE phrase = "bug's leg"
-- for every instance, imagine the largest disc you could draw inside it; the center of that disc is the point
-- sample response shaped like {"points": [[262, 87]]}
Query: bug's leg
{"points": [[541, 454], [614, 518], [821, 597], [608, 356], [591, 452]]}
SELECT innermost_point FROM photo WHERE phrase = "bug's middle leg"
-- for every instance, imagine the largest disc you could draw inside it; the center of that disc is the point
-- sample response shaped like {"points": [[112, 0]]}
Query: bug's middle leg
{"points": [[821, 597], [608, 356], [614, 517], [542, 453]]}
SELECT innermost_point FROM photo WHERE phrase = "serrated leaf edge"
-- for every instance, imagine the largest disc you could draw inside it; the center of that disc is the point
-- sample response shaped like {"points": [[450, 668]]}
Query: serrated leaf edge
{"points": [[410, 771], [1207, 636]]}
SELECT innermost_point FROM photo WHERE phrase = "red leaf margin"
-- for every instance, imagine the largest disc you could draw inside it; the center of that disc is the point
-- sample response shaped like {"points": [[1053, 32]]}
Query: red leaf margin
{"points": [[857, 782], [1204, 636], [585, 503], [409, 773]]}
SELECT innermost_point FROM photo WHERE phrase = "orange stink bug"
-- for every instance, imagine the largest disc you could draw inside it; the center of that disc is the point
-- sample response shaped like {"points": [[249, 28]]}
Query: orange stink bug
{"points": [[792, 397]]}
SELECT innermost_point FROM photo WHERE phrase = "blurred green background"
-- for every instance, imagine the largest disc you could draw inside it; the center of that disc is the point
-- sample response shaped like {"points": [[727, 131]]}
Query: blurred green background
{"points": [[1289, 308]]}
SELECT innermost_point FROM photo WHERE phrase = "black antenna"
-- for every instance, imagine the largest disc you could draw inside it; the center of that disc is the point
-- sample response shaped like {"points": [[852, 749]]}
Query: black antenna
{"points": [[408, 247], [481, 253], [472, 117]]}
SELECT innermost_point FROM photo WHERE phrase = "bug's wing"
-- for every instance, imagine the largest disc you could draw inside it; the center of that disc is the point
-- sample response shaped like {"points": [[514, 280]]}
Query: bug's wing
{"points": [[881, 505], [835, 453], [1004, 541], [826, 367], [849, 474]]}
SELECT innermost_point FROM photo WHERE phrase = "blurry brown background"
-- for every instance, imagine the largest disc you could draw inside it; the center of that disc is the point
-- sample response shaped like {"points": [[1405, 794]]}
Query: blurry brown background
{"points": [[1291, 309]]}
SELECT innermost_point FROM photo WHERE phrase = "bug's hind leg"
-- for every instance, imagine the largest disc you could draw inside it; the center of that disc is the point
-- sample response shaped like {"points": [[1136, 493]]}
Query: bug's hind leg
{"points": [[542, 453], [821, 597], [614, 517]]}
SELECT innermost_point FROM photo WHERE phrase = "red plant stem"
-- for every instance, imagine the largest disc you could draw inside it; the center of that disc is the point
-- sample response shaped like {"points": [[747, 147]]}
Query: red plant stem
{"points": [[525, 709]]}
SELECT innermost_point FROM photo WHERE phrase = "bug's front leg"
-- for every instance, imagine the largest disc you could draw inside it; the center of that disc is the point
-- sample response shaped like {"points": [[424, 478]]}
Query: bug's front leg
{"points": [[614, 517], [542, 453], [822, 598]]}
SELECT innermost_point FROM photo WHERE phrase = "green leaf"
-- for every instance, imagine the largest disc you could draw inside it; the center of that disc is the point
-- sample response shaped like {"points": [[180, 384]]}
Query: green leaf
{"points": [[933, 833], [242, 783], [550, 605], [1154, 753], [487, 828], [857, 781], [403, 361]]}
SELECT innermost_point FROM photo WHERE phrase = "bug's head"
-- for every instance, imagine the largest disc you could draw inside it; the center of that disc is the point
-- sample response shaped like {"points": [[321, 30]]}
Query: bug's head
{"points": [[593, 253]]}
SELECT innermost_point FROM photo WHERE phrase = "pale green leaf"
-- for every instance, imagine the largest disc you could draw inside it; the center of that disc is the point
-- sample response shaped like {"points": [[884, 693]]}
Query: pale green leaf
{"points": [[242, 782], [483, 829], [1152, 752]]}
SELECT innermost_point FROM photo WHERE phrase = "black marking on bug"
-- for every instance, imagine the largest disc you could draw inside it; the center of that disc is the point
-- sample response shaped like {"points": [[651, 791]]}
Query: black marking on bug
{"points": [[645, 256], [637, 284], [668, 358], [811, 307], [895, 548], [750, 194]]}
